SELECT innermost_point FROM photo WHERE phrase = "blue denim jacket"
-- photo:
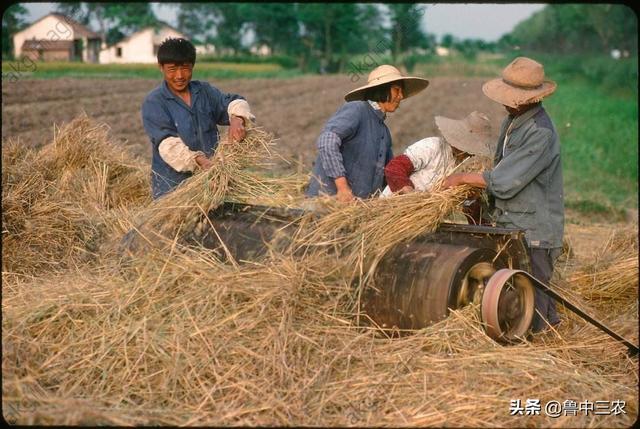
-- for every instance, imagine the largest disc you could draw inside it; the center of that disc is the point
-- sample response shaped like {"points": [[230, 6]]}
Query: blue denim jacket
{"points": [[365, 146], [166, 115]]}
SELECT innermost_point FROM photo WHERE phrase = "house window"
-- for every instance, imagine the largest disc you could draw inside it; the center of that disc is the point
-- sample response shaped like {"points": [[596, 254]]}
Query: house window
{"points": [[119, 52]]}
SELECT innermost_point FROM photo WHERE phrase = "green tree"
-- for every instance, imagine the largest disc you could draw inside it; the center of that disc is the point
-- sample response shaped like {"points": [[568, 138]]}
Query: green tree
{"points": [[275, 25], [447, 40], [578, 28], [616, 25], [330, 32], [127, 18], [115, 20], [230, 20], [197, 20], [406, 28], [13, 20]]}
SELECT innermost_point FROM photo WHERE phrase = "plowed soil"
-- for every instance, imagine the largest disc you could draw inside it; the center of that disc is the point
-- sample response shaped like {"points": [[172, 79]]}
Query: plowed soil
{"points": [[294, 109]]}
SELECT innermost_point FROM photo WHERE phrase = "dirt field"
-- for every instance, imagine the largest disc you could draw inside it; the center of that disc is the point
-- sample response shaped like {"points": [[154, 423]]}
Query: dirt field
{"points": [[295, 109]]}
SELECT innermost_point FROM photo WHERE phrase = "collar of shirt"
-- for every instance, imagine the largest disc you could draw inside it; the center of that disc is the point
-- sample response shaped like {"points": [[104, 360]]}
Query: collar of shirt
{"points": [[516, 122], [377, 109], [521, 119]]}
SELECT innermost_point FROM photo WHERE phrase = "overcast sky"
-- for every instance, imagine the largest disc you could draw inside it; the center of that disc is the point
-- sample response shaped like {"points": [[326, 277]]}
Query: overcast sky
{"points": [[464, 21]]}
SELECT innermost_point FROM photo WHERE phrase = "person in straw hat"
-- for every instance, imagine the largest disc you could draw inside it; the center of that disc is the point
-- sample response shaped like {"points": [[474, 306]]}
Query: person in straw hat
{"points": [[526, 182], [355, 144], [427, 161]]}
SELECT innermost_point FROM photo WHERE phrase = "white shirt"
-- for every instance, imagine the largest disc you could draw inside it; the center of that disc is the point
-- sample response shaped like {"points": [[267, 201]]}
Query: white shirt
{"points": [[432, 160]]}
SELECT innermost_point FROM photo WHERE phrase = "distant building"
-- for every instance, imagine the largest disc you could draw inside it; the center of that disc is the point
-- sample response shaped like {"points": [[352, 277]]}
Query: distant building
{"points": [[260, 50], [205, 48], [56, 37], [140, 47], [441, 51]]}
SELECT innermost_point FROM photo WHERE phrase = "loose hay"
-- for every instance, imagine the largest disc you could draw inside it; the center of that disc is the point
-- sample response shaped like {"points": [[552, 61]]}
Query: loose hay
{"points": [[182, 338], [45, 225], [229, 178], [368, 229]]}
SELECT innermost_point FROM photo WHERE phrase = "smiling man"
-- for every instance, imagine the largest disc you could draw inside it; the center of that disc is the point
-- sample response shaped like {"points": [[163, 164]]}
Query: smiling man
{"points": [[181, 116]]}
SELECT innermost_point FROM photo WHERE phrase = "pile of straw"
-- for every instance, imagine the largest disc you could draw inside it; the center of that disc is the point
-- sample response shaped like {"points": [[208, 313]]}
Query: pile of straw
{"points": [[191, 341], [57, 201], [180, 337], [612, 278]]}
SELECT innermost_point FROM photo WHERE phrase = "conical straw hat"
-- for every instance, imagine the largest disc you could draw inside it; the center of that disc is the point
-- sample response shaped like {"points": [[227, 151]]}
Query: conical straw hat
{"points": [[385, 74]]}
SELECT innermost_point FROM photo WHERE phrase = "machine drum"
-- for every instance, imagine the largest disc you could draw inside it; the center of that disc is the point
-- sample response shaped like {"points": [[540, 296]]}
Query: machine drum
{"points": [[417, 283]]}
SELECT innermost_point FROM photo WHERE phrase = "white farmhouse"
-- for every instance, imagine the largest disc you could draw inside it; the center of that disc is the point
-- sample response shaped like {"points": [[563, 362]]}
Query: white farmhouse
{"points": [[441, 51], [57, 37], [140, 47]]}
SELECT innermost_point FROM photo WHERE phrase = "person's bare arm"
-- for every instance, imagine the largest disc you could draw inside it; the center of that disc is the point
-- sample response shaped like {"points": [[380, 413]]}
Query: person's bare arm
{"points": [[237, 131], [472, 179], [203, 162], [344, 193]]}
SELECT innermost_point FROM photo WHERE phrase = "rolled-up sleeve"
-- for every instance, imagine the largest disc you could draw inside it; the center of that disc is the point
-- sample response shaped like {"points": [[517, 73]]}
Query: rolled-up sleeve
{"points": [[241, 109], [157, 123], [398, 171], [178, 155], [330, 156], [521, 166]]}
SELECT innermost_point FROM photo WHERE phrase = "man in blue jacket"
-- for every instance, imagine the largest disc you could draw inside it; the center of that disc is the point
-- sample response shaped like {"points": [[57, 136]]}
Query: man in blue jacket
{"points": [[355, 144], [181, 116], [526, 180]]}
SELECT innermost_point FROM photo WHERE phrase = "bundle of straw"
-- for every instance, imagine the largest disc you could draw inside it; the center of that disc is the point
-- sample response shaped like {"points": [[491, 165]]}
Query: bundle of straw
{"points": [[230, 177], [366, 230]]}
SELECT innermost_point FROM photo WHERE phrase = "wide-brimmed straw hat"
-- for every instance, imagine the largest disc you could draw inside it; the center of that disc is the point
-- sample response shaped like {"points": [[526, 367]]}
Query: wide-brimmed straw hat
{"points": [[471, 134], [385, 74], [522, 83]]}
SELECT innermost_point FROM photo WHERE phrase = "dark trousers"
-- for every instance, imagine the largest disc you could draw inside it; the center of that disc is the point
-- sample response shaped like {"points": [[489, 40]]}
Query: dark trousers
{"points": [[542, 261]]}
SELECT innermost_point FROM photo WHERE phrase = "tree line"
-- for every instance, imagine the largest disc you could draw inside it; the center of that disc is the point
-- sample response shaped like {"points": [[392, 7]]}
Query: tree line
{"points": [[316, 36], [326, 37], [577, 29], [319, 36]]}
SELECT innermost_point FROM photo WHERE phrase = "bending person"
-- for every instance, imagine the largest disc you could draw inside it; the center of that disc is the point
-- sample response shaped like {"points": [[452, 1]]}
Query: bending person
{"points": [[427, 161]]}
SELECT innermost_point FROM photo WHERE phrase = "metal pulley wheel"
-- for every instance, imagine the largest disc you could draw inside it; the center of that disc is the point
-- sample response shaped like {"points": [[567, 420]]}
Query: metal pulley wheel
{"points": [[508, 306]]}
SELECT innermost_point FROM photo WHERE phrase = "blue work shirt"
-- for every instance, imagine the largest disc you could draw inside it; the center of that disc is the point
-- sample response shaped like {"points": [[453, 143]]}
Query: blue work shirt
{"points": [[364, 143], [167, 115]]}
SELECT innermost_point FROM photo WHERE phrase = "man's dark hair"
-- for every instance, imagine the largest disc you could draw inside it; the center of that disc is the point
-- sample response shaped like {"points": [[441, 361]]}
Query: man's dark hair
{"points": [[177, 51], [382, 92]]}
